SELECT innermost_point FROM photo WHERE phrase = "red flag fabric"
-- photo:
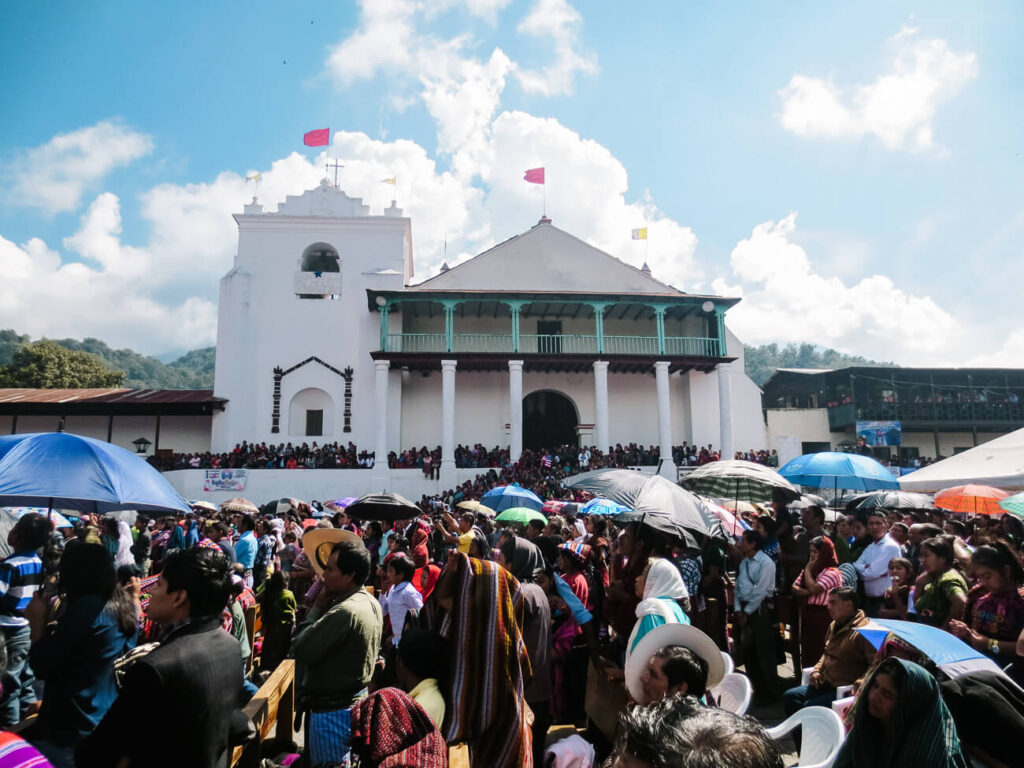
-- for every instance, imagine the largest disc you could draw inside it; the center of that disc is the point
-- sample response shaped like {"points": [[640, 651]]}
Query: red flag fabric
{"points": [[318, 138], [534, 176]]}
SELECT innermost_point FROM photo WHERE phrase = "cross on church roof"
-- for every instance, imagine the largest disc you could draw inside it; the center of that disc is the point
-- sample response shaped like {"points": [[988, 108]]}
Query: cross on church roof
{"points": [[335, 165]]}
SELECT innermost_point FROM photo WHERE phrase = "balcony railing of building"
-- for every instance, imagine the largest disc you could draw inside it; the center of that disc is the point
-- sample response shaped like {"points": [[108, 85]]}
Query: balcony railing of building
{"points": [[562, 344], [980, 412]]}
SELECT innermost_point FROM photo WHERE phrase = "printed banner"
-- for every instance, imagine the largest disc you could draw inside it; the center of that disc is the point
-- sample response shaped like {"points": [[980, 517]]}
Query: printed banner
{"points": [[225, 479], [879, 434]]}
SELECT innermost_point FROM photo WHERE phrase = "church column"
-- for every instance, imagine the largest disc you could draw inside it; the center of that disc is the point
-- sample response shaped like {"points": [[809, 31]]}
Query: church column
{"points": [[448, 423], [601, 405], [515, 407], [659, 323], [599, 327], [720, 326], [381, 474], [666, 466], [384, 312], [724, 372], [449, 325]]}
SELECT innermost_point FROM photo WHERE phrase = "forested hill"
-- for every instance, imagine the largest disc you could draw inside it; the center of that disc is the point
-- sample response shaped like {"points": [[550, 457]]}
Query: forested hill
{"points": [[194, 370]]}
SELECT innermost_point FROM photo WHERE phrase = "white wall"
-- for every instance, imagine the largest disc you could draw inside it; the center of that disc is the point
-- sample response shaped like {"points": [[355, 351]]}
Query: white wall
{"points": [[182, 434], [789, 427]]}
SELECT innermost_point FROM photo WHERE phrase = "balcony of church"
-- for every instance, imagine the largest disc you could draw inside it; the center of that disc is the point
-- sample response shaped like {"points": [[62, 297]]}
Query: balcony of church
{"points": [[541, 362]]}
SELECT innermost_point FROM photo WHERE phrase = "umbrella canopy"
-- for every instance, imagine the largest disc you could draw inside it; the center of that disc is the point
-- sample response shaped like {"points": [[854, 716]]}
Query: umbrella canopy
{"points": [[383, 506], [599, 506], [741, 507], [1014, 504], [506, 496], [998, 462], [950, 653], [59, 469], [830, 469], [735, 479], [475, 507], [891, 500], [16, 513], [340, 504], [239, 506], [655, 501], [519, 515], [971, 499], [560, 508], [732, 523], [205, 506]]}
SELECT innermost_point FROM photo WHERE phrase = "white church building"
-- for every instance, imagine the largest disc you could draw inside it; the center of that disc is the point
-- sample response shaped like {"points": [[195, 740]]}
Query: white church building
{"points": [[539, 341]]}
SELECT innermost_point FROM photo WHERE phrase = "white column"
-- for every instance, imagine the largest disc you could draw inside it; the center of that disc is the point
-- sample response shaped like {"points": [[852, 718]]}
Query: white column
{"points": [[724, 371], [515, 408], [667, 466], [601, 404], [381, 475], [447, 423]]}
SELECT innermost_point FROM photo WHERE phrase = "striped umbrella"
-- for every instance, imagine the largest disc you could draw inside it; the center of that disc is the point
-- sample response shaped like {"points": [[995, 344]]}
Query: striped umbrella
{"points": [[971, 499], [740, 480], [1014, 504]]}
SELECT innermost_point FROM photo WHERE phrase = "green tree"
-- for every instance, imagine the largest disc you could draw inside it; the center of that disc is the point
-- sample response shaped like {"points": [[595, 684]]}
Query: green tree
{"points": [[47, 364]]}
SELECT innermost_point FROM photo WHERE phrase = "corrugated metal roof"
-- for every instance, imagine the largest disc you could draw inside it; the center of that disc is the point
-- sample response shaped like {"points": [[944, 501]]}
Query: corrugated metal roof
{"points": [[110, 395]]}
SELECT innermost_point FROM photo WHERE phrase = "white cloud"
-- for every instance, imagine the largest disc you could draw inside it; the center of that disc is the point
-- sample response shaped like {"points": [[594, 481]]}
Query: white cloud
{"points": [[898, 107], [561, 22], [1009, 355], [785, 300], [55, 176]]}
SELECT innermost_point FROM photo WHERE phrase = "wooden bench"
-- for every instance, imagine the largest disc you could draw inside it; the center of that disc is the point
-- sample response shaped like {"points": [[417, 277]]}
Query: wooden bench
{"points": [[253, 624], [271, 709]]}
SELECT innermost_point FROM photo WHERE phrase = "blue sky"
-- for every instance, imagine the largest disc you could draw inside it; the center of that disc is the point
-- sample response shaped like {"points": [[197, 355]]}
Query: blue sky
{"points": [[853, 170]]}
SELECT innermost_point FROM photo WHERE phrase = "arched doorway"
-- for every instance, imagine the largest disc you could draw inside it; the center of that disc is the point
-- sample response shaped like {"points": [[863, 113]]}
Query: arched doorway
{"points": [[549, 420]]}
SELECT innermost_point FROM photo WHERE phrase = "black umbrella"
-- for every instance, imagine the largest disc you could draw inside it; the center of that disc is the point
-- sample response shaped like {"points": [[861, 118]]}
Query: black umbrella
{"points": [[382, 506], [891, 500]]}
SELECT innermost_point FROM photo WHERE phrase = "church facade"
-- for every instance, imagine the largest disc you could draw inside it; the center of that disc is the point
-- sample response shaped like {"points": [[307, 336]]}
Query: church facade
{"points": [[540, 341]]}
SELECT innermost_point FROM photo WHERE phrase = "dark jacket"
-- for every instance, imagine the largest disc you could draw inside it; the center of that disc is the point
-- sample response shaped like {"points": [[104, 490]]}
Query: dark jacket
{"points": [[176, 705]]}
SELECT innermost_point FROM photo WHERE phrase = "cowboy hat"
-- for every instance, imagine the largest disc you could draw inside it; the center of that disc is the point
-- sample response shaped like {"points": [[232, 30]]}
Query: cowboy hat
{"points": [[318, 543], [661, 636]]}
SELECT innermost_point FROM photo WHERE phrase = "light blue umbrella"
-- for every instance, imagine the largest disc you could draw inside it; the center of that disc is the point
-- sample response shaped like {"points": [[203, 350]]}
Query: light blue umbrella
{"points": [[507, 496], [839, 470], [603, 507], [16, 513], [950, 653], [58, 470]]}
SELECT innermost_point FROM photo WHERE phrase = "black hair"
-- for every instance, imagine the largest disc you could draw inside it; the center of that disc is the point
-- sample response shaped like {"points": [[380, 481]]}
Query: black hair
{"points": [[941, 548], [769, 525], [681, 665], [277, 582], [679, 732], [959, 527], [401, 543], [754, 538], [600, 525], [353, 558], [998, 555], [204, 574], [507, 546], [876, 512], [422, 652], [33, 531], [817, 512], [246, 523], [402, 565], [87, 570], [902, 526], [126, 573], [930, 530], [849, 594], [540, 525]]}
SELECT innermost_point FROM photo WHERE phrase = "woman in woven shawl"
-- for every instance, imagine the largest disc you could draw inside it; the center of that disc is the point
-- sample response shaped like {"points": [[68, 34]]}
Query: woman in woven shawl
{"points": [[390, 730], [899, 719], [488, 663]]}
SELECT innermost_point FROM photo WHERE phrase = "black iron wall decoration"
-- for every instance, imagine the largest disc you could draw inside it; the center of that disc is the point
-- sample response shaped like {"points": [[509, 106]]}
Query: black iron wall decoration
{"points": [[347, 373], [280, 373]]}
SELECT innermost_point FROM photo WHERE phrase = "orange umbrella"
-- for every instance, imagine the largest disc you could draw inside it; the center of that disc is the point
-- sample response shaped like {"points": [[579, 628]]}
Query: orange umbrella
{"points": [[971, 499]]}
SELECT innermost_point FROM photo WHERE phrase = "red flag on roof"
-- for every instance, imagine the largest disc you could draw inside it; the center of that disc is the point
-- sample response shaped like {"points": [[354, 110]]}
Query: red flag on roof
{"points": [[534, 176], [321, 137]]}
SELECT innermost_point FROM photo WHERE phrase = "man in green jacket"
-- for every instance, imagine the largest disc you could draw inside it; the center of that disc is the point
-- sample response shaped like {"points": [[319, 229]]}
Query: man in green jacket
{"points": [[335, 652]]}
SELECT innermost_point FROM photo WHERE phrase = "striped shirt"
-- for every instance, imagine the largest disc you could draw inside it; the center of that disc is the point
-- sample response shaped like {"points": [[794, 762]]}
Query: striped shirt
{"points": [[21, 575], [829, 578]]}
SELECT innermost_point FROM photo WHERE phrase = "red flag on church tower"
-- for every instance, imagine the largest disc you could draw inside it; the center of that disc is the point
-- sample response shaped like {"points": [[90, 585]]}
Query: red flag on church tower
{"points": [[318, 138], [534, 176]]}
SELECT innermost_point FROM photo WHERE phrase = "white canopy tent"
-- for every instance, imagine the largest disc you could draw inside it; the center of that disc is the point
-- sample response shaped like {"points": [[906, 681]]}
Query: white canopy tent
{"points": [[999, 463]]}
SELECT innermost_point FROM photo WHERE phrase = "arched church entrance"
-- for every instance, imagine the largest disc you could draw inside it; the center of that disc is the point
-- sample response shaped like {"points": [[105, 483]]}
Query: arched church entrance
{"points": [[549, 420]]}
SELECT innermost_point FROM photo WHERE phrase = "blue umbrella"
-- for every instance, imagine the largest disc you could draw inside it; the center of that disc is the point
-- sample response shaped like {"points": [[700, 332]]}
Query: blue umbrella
{"points": [[952, 654], [65, 471], [839, 470], [603, 507], [506, 496]]}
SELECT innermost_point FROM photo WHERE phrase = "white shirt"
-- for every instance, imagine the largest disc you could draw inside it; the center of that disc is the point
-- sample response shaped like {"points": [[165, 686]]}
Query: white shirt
{"points": [[397, 602], [755, 582], [873, 565]]}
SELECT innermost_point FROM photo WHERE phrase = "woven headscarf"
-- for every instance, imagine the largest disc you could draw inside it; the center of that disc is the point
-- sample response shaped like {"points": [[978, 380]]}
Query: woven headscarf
{"points": [[488, 662], [921, 731], [390, 730], [826, 557], [578, 551]]}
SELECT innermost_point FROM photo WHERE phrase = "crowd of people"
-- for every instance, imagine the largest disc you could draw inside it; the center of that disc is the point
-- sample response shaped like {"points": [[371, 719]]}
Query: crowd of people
{"points": [[246, 455], [446, 628]]}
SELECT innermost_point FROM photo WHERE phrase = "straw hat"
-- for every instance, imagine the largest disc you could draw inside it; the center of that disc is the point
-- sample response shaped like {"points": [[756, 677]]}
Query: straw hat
{"points": [[318, 543], [646, 645]]}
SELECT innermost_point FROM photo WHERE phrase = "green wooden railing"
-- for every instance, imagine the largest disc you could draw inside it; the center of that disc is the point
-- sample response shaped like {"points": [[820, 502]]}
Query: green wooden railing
{"points": [[542, 344]]}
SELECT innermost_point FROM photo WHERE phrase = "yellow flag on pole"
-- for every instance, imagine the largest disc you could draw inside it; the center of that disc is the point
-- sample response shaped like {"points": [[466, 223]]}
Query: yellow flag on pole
{"points": [[392, 180], [640, 234], [254, 177]]}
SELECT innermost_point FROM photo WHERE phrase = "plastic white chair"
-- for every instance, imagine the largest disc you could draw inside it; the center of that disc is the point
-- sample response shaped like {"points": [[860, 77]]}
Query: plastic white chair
{"points": [[841, 692], [733, 693], [730, 665], [821, 735]]}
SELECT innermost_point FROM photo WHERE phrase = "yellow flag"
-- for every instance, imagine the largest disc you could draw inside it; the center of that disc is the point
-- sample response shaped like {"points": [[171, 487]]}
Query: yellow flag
{"points": [[640, 234], [392, 180], [254, 177]]}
